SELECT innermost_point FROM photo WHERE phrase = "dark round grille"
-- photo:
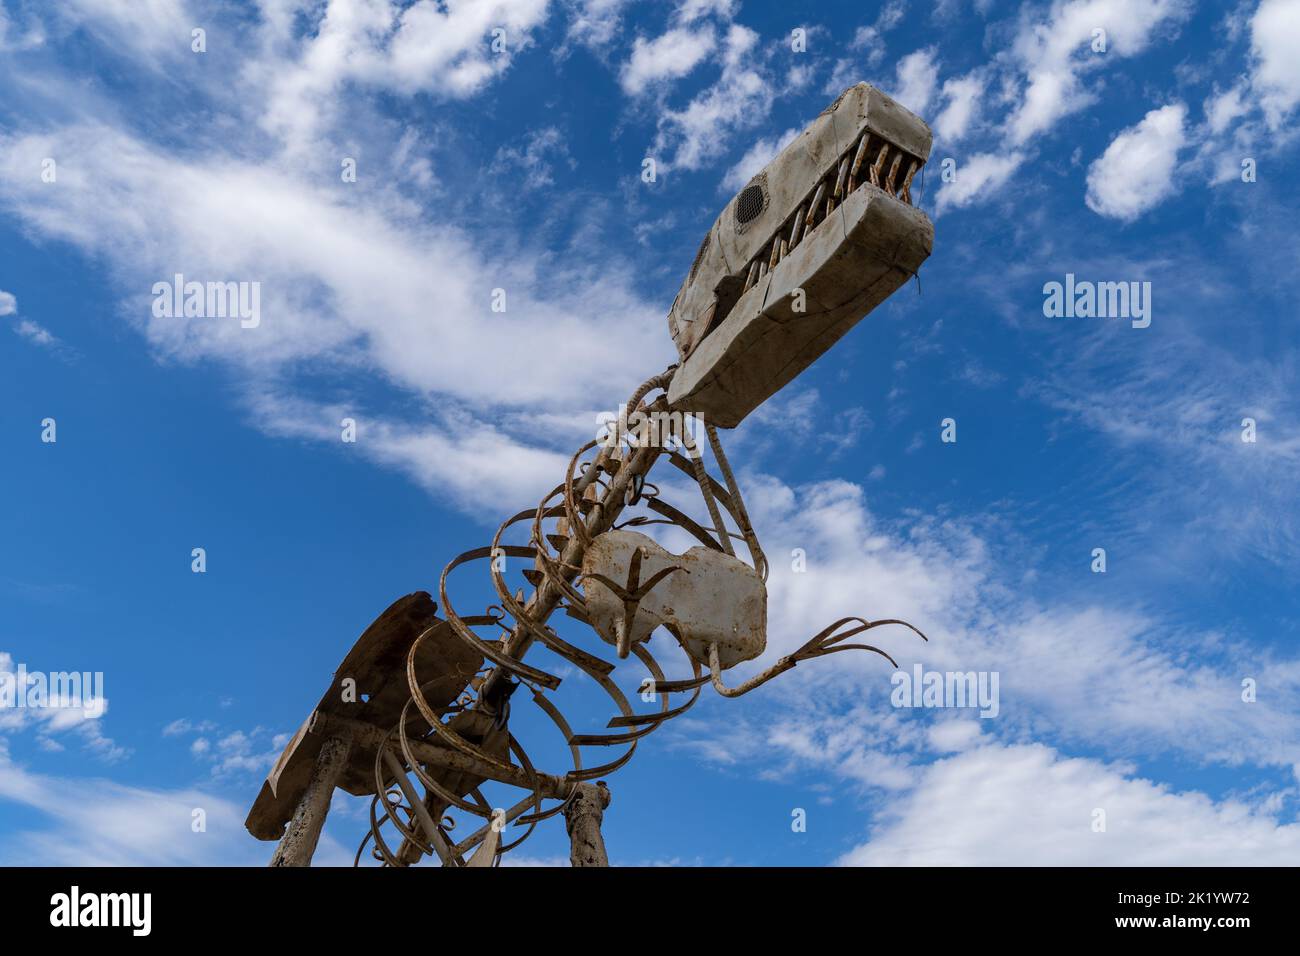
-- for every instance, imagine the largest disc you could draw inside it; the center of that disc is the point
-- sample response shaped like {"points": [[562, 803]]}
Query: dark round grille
{"points": [[749, 204]]}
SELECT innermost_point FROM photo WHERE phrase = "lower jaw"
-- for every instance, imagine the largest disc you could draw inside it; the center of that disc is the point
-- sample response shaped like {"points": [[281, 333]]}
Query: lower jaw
{"points": [[868, 247]]}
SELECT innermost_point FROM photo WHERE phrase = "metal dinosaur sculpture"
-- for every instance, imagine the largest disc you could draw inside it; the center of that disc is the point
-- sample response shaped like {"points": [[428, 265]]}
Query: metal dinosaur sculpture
{"points": [[814, 242]]}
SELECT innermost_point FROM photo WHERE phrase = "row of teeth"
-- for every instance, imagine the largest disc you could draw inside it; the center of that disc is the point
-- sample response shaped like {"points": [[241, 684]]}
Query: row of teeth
{"points": [[891, 170]]}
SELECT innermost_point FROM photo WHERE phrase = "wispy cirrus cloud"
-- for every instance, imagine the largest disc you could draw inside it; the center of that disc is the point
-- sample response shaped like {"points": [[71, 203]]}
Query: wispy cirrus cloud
{"points": [[24, 327], [89, 821]]}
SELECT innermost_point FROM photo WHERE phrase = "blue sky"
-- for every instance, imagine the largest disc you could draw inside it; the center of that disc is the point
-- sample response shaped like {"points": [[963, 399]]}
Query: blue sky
{"points": [[479, 170]]}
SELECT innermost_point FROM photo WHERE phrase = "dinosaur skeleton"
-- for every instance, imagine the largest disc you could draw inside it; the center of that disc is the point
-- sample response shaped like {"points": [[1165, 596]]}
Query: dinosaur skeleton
{"points": [[830, 219]]}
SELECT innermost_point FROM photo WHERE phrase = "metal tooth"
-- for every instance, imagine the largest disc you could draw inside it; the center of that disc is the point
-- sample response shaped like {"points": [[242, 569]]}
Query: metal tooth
{"points": [[797, 229], [785, 247], [772, 259], [893, 171], [812, 208], [830, 205], [841, 176], [906, 193], [762, 269], [860, 155], [753, 275], [878, 165]]}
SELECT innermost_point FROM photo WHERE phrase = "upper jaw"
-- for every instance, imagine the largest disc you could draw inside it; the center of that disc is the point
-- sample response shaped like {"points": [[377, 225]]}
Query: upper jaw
{"points": [[796, 311], [863, 138]]}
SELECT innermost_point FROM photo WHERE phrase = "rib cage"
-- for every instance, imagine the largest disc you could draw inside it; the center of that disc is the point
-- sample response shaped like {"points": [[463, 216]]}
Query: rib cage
{"points": [[593, 496]]}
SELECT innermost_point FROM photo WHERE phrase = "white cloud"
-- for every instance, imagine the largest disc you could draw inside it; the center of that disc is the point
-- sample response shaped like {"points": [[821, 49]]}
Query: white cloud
{"points": [[798, 77], [1274, 40], [367, 279], [667, 57], [758, 156], [872, 38], [1223, 108], [915, 80], [518, 859], [159, 28], [1252, 116], [183, 725], [1042, 77], [457, 457], [78, 713], [594, 23], [688, 11], [891, 15], [977, 177], [35, 333], [1080, 672], [234, 752], [426, 47], [1075, 674], [1188, 439], [1136, 171], [962, 95], [1054, 53], [844, 74], [740, 99], [350, 284], [1030, 806], [87, 821], [534, 157]]}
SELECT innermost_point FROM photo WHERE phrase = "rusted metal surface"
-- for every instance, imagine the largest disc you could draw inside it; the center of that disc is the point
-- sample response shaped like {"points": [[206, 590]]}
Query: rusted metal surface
{"points": [[304, 829], [582, 819]]}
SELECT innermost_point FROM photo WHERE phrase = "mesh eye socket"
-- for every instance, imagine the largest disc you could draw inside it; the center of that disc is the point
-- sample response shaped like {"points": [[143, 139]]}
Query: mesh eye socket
{"points": [[749, 204]]}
